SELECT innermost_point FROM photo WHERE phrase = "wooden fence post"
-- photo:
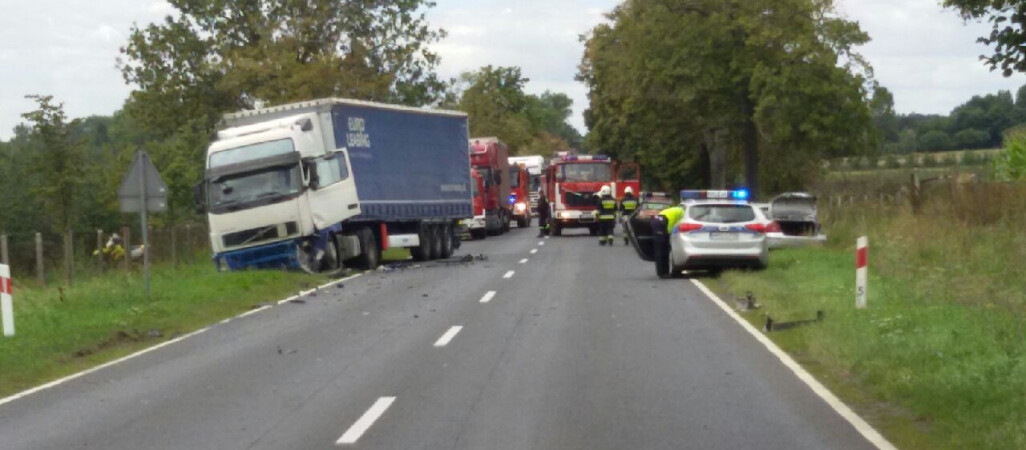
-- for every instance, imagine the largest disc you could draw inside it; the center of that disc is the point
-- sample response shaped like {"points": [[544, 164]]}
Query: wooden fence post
{"points": [[69, 256], [40, 274], [3, 251]]}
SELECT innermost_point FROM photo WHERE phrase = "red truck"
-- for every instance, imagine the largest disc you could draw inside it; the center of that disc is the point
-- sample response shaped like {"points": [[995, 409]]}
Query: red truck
{"points": [[571, 182], [491, 159], [476, 225], [520, 194]]}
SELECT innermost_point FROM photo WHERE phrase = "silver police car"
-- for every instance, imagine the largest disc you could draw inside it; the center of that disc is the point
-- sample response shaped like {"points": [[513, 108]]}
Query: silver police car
{"points": [[720, 229]]}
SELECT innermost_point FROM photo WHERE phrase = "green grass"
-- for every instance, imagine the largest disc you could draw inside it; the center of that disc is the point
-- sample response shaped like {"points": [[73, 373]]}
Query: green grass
{"points": [[938, 360], [61, 331]]}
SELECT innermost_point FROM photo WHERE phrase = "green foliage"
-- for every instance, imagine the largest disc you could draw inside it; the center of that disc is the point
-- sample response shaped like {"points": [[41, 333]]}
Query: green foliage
{"points": [[58, 158], [1006, 37], [772, 84], [935, 140], [494, 98], [1011, 164]]}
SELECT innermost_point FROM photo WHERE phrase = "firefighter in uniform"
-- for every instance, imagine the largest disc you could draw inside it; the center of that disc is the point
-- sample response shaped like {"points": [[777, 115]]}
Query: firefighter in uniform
{"points": [[662, 229], [606, 204], [543, 214], [627, 206]]}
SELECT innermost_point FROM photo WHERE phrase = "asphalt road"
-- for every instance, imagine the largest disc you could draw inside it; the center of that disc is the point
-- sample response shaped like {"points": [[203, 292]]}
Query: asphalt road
{"points": [[579, 347]]}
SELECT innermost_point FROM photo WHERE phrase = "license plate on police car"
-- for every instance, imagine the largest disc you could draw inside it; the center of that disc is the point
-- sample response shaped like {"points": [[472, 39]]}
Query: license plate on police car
{"points": [[720, 236], [586, 217]]}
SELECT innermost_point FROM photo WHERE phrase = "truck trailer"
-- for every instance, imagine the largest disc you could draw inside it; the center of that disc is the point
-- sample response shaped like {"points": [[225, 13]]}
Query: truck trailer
{"points": [[328, 183], [491, 159]]}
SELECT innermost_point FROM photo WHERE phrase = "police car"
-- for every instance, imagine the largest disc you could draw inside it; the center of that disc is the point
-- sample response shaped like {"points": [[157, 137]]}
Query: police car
{"points": [[719, 229]]}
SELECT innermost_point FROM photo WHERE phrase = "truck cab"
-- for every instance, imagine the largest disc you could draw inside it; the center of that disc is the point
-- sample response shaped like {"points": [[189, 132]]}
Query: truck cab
{"points": [[574, 180], [490, 157], [519, 197], [269, 182]]}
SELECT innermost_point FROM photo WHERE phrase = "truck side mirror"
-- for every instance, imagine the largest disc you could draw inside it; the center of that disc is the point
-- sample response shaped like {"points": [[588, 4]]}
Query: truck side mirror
{"points": [[199, 197]]}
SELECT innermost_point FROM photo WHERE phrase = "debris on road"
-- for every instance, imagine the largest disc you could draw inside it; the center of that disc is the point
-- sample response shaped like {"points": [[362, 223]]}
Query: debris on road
{"points": [[771, 325], [298, 300], [286, 351], [261, 305], [747, 303]]}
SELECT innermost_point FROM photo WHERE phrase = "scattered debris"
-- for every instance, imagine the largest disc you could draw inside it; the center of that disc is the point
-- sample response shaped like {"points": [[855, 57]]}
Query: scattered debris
{"points": [[261, 305], [288, 351], [781, 326], [423, 295], [747, 303], [416, 316], [467, 258], [481, 257], [297, 300], [340, 286]]}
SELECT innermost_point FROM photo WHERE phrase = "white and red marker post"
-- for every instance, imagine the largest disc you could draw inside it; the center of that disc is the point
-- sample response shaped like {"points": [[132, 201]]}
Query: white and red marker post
{"points": [[861, 271], [6, 306]]}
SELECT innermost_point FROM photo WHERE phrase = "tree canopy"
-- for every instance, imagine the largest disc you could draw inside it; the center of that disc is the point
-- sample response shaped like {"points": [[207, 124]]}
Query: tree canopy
{"points": [[685, 86], [1008, 20], [530, 124]]}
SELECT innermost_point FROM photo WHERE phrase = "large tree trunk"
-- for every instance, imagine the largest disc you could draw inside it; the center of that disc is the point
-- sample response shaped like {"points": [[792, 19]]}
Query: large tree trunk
{"points": [[750, 147], [715, 144]]}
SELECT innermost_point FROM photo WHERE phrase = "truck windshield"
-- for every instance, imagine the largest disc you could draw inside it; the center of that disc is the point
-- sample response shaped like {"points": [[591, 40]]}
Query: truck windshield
{"points": [[514, 177], [257, 185], [585, 172], [251, 152]]}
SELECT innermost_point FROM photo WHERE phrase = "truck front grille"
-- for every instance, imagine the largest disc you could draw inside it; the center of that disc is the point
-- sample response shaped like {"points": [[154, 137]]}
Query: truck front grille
{"points": [[262, 234], [578, 200]]}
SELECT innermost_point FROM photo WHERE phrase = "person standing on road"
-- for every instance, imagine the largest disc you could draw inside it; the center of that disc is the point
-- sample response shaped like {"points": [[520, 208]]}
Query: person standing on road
{"points": [[606, 204], [627, 206], [662, 228], [543, 214]]}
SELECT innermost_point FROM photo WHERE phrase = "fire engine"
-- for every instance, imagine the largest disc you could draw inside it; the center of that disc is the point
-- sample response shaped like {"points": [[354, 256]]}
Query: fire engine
{"points": [[572, 181]]}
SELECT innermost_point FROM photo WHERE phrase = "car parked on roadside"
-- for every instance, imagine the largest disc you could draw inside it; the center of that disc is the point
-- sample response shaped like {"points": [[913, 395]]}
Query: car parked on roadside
{"points": [[791, 220]]}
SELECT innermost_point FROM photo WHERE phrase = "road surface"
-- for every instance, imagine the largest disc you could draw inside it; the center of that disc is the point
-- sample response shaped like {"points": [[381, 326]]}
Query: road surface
{"points": [[548, 344]]}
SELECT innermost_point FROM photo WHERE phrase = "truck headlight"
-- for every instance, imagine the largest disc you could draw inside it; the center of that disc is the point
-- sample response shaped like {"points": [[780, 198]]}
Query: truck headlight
{"points": [[521, 207]]}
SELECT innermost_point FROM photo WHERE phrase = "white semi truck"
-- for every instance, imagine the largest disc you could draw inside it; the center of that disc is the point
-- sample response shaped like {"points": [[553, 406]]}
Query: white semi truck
{"points": [[326, 183]]}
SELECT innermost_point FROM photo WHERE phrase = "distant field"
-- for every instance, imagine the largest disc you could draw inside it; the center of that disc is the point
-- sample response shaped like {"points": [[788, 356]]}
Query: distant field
{"points": [[922, 159]]}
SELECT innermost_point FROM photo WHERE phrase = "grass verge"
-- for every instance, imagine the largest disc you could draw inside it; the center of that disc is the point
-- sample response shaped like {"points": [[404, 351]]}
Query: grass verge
{"points": [[938, 359], [63, 330]]}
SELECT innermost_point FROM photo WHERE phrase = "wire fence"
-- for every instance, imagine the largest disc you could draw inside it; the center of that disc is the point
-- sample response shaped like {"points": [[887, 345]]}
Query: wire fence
{"points": [[44, 257]]}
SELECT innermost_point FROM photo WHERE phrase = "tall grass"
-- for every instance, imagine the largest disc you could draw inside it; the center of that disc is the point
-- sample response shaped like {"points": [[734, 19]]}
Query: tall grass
{"points": [[938, 360], [61, 330]]}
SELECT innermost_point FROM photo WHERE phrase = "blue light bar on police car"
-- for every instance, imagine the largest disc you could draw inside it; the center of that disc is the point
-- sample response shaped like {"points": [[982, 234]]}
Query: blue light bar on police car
{"points": [[512, 198], [737, 194]]}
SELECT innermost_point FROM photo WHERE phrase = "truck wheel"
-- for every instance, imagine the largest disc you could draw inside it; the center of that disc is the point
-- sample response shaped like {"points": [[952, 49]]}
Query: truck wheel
{"points": [[422, 252], [370, 252], [523, 223], [447, 242], [505, 221], [436, 241]]}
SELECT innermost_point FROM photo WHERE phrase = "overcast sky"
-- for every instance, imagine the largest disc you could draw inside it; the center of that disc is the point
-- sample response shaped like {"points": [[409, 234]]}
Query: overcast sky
{"points": [[67, 48]]}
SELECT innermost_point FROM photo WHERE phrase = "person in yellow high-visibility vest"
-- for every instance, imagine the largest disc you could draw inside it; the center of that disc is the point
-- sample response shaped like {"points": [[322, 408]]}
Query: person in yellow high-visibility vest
{"points": [[627, 207], [662, 228], [606, 205]]}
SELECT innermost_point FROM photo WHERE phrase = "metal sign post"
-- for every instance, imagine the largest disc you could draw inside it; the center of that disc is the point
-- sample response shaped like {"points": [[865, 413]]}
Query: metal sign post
{"points": [[142, 191]]}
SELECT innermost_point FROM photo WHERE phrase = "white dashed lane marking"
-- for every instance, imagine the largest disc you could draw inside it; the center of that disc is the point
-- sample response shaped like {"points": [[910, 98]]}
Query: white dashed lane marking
{"points": [[365, 421], [444, 340], [534, 250], [523, 261], [509, 274], [488, 297]]}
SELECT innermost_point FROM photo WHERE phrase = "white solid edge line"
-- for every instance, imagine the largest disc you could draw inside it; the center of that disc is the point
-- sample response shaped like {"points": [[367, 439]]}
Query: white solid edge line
{"points": [[865, 429], [447, 337], [144, 351], [488, 297], [534, 250], [523, 261], [509, 274], [88, 371], [365, 421]]}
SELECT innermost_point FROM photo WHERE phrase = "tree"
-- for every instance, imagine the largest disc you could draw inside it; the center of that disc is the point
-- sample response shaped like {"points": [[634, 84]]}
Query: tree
{"points": [[679, 85], [212, 57], [58, 159], [1008, 19], [935, 140]]}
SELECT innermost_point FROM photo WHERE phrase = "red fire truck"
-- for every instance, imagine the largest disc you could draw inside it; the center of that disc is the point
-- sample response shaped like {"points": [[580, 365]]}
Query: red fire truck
{"points": [[476, 224], [491, 159], [520, 194], [572, 181]]}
